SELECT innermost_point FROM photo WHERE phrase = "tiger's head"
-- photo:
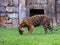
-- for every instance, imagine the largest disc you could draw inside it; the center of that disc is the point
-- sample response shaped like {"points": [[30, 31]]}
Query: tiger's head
{"points": [[20, 27]]}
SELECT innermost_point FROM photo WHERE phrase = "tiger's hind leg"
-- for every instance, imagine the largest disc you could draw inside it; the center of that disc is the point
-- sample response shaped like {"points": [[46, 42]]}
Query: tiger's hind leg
{"points": [[45, 29], [50, 28], [45, 26]]}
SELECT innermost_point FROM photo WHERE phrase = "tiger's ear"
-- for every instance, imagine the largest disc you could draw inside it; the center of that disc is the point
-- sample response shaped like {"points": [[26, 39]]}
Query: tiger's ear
{"points": [[22, 24]]}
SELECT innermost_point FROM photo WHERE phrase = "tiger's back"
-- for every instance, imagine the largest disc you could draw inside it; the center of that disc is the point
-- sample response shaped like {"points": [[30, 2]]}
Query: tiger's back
{"points": [[38, 20]]}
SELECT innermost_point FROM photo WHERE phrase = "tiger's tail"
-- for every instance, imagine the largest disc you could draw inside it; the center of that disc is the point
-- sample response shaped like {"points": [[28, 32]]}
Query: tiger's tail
{"points": [[52, 22], [52, 25]]}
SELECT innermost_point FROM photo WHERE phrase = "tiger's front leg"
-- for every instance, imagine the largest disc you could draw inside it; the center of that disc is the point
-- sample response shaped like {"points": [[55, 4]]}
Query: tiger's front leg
{"points": [[4, 24], [30, 29]]}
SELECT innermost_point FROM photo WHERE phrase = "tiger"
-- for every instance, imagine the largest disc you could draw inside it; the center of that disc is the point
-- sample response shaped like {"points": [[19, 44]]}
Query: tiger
{"points": [[34, 21], [3, 19]]}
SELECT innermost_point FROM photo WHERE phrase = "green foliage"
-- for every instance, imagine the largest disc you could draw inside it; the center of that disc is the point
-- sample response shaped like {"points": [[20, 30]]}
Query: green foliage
{"points": [[10, 36]]}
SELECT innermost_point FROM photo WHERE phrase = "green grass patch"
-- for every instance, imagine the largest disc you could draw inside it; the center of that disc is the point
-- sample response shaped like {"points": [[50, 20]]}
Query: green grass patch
{"points": [[10, 36]]}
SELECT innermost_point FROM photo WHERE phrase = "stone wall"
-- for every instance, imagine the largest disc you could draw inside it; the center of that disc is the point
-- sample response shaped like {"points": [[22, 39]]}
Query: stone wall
{"points": [[11, 9], [47, 5], [58, 11], [17, 10]]}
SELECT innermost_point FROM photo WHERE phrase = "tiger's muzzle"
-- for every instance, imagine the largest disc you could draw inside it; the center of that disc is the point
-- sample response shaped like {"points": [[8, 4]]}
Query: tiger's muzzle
{"points": [[21, 32]]}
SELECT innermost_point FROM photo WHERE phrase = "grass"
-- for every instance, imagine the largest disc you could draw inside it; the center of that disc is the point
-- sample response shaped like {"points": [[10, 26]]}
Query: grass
{"points": [[10, 36]]}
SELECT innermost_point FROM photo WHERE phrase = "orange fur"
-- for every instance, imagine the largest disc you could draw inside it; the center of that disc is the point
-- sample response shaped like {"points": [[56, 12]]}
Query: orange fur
{"points": [[34, 21]]}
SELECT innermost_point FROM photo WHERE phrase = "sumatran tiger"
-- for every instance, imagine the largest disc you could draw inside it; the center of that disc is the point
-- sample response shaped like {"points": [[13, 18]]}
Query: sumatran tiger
{"points": [[3, 20], [34, 21]]}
